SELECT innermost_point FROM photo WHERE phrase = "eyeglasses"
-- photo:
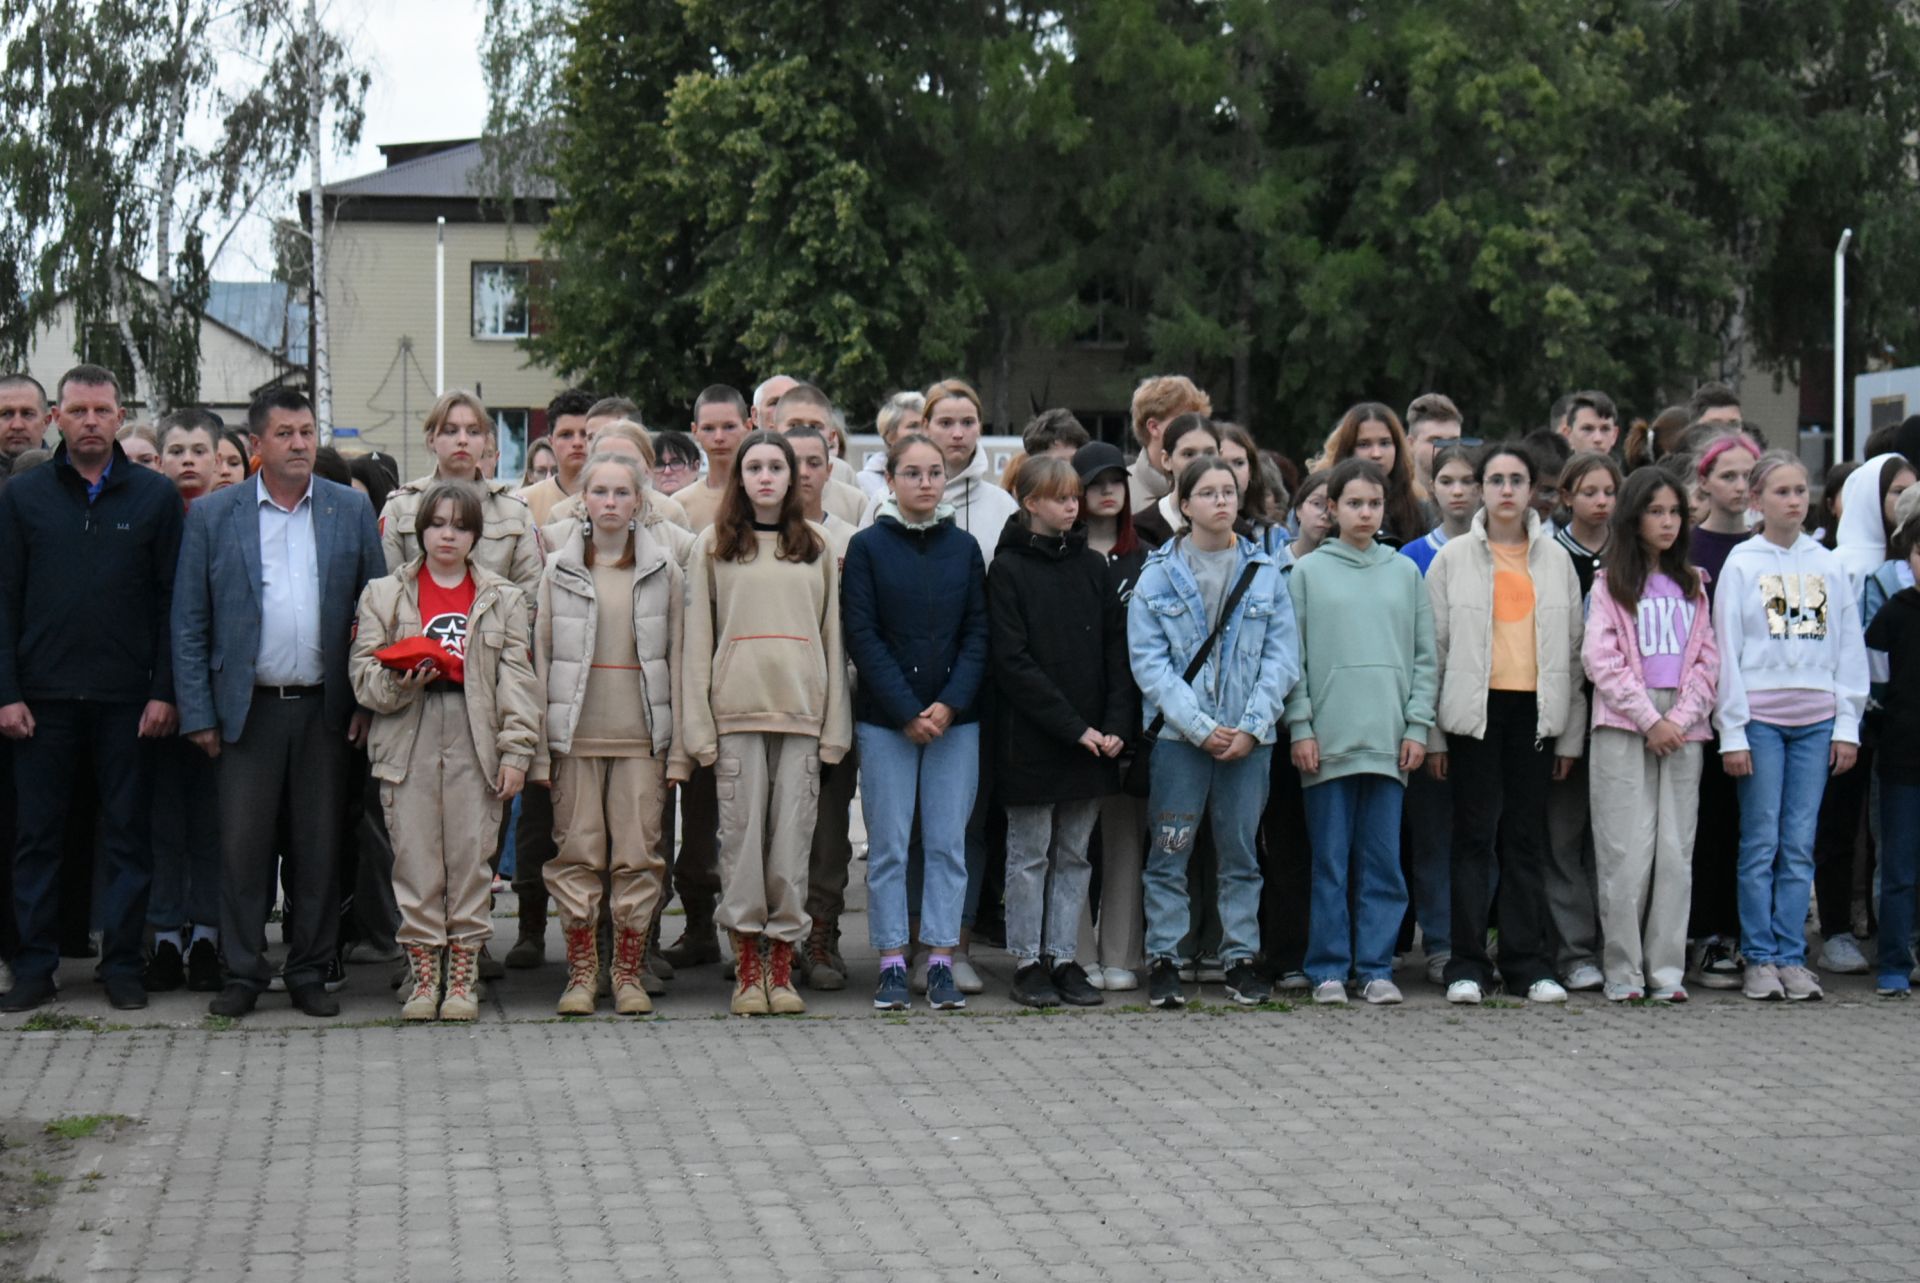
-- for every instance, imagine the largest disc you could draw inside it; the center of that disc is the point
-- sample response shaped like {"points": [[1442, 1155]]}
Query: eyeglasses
{"points": [[673, 465], [914, 476]]}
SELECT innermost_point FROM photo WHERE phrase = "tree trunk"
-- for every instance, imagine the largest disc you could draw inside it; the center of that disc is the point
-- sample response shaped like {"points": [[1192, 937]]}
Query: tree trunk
{"points": [[122, 320], [172, 127], [1003, 375], [316, 106]]}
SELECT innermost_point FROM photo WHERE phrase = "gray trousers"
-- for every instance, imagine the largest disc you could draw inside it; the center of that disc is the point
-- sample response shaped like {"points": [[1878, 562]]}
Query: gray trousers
{"points": [[1573, 896], [1047, 876], [287, 756]]}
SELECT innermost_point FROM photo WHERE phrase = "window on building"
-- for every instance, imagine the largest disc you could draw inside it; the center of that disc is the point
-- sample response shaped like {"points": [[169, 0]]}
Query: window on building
{"points": [[510, 434], [500, 305]]}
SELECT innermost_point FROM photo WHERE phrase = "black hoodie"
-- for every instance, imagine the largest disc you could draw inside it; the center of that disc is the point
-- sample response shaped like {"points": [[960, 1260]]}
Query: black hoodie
{"points": [[1059, 662]]}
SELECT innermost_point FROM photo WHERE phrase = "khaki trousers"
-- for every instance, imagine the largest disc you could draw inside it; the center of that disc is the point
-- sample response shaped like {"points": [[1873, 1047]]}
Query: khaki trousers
{"points": [[1645, 809], [606, 822], [769, 791], [443, 820], [1122, 935]]}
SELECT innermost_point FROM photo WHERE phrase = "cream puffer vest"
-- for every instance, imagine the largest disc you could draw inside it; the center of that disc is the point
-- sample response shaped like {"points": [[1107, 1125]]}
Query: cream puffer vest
{"points": [[564, 631], [1460, 582]]}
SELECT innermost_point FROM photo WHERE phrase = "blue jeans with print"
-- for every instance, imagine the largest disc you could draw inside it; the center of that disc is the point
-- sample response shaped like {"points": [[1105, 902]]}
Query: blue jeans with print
{"points": [[895, 773], [1359, 895], [1187, 782], [1779, 811]]}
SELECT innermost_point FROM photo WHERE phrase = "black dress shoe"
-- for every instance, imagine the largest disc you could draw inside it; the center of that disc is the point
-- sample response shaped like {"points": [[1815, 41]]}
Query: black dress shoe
{"points": [[126, 993], [234, 1000], [1071, 983], [27, 993], [314, 1000], [166, 969], [203, 967]]}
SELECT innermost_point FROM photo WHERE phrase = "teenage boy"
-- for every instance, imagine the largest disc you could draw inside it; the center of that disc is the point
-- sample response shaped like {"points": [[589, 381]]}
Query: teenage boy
{"points": [[719, 422], [1588, 421], [804, 405], [567, 434], [1157, 402]]}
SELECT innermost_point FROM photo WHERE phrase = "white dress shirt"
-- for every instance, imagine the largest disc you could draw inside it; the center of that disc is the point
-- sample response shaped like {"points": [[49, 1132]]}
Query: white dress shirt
{"points": [[290, 593]]}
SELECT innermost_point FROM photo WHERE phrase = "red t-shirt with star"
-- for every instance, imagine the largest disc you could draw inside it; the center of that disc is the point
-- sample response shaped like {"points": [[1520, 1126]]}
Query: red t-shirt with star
{"points": [[443, 613]]}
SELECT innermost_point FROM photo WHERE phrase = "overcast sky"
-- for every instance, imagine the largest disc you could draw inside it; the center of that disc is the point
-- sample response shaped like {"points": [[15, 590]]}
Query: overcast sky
{"points": [[425, 60]]}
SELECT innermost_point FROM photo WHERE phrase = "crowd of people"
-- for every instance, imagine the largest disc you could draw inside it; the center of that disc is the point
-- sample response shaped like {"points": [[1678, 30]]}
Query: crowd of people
{"points": [[1570, 712]]}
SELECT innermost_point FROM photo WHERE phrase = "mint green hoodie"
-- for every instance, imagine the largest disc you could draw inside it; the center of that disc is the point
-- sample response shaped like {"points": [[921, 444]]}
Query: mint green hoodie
{"points": [[1369, 674]]}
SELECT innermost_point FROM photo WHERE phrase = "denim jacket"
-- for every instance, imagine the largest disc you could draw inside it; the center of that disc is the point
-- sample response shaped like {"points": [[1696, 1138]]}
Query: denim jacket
{"points": [[1254, 664]]}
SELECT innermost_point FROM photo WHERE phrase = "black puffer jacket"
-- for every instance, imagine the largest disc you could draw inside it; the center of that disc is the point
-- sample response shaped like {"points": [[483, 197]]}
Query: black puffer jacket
{"points": [[1059, 647]]}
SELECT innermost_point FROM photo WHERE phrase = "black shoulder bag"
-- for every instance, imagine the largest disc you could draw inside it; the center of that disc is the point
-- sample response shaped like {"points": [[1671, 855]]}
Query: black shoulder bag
{"points": [[1135, 772]]}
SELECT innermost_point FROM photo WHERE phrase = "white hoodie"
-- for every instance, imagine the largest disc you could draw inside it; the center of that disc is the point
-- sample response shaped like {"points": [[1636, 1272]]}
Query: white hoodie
{"points": [[1861, 540], [980, 507], [1787, 619]]}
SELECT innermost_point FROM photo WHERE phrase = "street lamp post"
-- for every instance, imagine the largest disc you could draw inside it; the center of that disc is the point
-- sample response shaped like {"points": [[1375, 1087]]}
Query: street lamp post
{"points": [[1840, 342]]}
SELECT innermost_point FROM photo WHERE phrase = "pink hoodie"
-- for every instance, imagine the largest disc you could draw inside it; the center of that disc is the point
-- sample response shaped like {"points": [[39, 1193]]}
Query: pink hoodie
{"points": [[1611, 656]]}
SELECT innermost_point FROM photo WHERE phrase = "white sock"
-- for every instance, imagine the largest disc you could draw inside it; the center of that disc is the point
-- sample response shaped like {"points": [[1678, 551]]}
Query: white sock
{"points": [[174, 938], [206, 933]]}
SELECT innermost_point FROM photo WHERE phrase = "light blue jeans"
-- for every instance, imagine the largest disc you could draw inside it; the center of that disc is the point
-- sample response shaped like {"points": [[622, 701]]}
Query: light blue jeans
{"points": [[895, 774], [1187, 783], [1047, 877], [1359, 896], [1779, 810]]}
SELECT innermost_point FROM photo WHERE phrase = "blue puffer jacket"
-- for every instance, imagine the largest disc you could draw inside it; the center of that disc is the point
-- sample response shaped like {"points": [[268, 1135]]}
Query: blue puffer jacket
{"points": [[1245, 681], [913, 611]]}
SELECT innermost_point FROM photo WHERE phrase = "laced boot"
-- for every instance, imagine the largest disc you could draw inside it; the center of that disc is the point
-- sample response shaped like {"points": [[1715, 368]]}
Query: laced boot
{"points": [[583, 962], [629, 958], [530, 946], [750, 991], [823, 969], [421, 988], [463, 985], [782, 998]]}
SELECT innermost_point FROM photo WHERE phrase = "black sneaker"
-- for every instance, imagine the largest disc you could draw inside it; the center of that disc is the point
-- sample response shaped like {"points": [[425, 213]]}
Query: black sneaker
{"points": [[1032, 988], [336, 975], [126, 992], [203, 967], [1720, 966], [1245, 986], [1163, 984], [1070, 979], [234, 1000], [166, 969]]}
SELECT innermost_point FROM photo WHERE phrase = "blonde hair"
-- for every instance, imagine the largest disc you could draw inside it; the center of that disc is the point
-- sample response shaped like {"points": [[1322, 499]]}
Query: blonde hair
{"points": [[1044, 476], [897, 407], [1162, 397], [627, 430], [437, 416], [946, 388]]}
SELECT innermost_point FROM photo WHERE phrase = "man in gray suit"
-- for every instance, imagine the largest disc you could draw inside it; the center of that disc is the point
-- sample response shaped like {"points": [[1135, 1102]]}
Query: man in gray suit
{"points": [[263, 609]]}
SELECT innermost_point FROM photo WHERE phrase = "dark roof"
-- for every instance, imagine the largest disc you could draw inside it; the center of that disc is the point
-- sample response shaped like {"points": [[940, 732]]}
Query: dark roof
{"points": [[449, 173], [265, 312]]}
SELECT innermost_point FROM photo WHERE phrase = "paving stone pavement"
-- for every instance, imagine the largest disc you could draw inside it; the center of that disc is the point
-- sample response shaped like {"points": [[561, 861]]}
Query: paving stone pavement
{"points": [[1722, 1141]]}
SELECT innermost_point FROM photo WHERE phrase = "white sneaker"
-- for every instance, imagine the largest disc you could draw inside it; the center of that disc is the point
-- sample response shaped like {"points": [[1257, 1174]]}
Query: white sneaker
{"points": [[1623, 992], [1546, 991], [1330, 993], [917, 973], [1211, 971], [965, 978], [1584, 977], [1381, 993], [1096, 978], [1294, 982], [1464, 992], [1842, 953], [1437, 968], [1118, 979]]}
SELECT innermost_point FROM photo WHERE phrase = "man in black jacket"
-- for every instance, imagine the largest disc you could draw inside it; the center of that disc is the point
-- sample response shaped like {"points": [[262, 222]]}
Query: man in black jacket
{"points": [[87, 551]]}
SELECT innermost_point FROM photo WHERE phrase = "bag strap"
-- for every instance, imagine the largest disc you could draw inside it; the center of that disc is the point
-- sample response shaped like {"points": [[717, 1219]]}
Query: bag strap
{"points": [[1206, 647]]}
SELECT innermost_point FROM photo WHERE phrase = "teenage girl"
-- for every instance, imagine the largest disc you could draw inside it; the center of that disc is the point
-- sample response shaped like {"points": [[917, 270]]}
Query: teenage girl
{"points": [[1359, 718], [1506, 612], [1588, 485], [1720, 471], [1793, 687], [1457, 497], [764, 702], [1372, 431], [1651, 654], [916, 627], [449, 749], [1059, 662], [1215, 729], [1185, 438], [607, 648]]}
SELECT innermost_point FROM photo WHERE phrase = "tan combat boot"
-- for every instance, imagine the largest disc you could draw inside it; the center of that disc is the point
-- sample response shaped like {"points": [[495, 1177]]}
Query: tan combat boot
{"points": [[421, 989], [629, 957], [782, 998], [750, 991], [463, 997], [583, 965]]}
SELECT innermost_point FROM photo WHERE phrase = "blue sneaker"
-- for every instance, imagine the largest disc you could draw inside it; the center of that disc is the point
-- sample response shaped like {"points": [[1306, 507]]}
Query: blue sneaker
{"points": [[891, 995], [1893, 986], [942, 993]]}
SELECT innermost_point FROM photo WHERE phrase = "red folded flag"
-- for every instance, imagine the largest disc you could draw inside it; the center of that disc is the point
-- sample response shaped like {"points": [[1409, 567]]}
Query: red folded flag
{"points": [[409, 653]]}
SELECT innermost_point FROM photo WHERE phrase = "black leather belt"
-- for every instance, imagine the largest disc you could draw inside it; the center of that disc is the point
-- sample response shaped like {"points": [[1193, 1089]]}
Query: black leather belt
{"points": [[291, 692], [443, 686]]}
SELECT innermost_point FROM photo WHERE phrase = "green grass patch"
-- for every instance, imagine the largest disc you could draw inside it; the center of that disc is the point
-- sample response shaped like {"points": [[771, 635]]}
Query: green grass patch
{"points": [[60, 1022], [81, 1126]]}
